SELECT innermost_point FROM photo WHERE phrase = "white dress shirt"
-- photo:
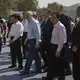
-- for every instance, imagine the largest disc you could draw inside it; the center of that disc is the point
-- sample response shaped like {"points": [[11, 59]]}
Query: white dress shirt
{"points": [[25, 24], [72, 26], [16, 30], [59, 35]]}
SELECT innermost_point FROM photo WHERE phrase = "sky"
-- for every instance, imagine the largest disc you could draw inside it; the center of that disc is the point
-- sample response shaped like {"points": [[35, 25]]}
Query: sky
{"points": [[43, 3]]}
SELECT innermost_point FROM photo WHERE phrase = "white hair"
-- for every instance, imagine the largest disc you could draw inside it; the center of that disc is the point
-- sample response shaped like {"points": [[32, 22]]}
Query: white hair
{"points": [[29, 12], [34, 13]]}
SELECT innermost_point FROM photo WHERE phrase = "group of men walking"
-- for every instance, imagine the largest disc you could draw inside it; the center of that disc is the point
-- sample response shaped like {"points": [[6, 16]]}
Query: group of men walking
{"points": [[51, 37]]}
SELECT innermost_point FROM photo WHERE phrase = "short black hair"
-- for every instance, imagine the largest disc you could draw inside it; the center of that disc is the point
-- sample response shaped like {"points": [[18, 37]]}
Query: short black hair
{"points": [[61, 6], [78, 6], [17, 16], [24, 12], [57, 14]]}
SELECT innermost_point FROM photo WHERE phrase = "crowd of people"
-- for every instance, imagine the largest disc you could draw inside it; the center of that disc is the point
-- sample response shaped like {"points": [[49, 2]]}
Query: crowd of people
{"points": [[45, 37], [3, 32]]}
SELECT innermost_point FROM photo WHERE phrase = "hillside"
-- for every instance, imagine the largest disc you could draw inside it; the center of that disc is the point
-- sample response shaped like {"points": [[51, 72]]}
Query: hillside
{"points": [[71, 10]]}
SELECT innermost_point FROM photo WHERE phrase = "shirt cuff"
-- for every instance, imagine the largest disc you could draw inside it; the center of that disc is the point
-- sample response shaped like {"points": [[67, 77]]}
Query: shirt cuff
{"points": [[59, 48], [37, 42]]}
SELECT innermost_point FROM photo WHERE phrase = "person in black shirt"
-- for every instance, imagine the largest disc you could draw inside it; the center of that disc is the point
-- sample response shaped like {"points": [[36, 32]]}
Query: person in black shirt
{"points": [[64, 19], [76, 47], [46, 29]]}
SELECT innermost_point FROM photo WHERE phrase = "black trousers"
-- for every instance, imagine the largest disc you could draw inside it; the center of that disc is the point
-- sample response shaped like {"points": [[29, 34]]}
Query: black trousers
{"points": [[24, 47], [44, 50], [4, 38], [0, 44], [55, 65], [76, 65], [16, 52], [67, 64]]}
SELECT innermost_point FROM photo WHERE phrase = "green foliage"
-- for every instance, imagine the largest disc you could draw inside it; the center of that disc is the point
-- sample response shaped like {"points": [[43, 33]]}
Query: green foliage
{"points": [[24, 5], [5, 6], [20, 5]]}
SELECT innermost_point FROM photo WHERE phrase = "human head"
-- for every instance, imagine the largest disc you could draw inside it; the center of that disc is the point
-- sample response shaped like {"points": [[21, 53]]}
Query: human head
{"points": [[28, 15], [60, 8], [55, 17], [35, 15], [41, 17], [24, 13], [0, 17], [78, 11], [10, 19], [47, 13], [15, 18]]}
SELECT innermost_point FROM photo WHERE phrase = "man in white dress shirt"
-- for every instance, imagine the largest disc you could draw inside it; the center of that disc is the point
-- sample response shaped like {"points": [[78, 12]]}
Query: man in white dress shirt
{"points": [[15, 34], [59, 38]]}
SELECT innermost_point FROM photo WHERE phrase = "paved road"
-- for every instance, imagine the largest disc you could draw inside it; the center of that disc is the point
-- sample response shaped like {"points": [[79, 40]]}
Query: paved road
{"points": [[12, 74]]}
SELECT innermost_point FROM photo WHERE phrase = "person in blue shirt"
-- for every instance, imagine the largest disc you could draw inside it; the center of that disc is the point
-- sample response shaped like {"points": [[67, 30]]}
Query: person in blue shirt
{"points": [[34, 38]]}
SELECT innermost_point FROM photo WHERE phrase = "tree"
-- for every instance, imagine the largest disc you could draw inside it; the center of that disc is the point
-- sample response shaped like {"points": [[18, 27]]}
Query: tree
{"points": [[53, 6], [21, 5], [24, 5], [5, 6]]}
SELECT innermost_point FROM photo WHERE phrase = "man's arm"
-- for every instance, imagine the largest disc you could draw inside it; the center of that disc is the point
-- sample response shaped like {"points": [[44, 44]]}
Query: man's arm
{"points": [[37, 32], [19, 31]]}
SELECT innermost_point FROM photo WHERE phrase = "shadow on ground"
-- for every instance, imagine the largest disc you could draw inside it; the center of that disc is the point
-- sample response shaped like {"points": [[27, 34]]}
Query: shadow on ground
{"points": [[18, 77]]}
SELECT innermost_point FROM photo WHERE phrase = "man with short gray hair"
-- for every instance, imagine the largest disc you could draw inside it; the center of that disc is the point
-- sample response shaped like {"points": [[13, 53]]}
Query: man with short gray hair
{"points": [[34, 37]]}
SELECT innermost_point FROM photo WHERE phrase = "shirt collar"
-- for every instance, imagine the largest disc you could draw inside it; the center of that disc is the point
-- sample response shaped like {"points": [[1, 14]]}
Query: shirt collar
{"points": [[61, 13], [47, 18], [31, 20], [56, 24], [25, 20], [78, 19], [17, 22]]}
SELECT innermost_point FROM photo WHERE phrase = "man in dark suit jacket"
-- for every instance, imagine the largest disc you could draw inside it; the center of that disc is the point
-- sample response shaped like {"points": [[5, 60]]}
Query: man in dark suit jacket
{"points": [[46, 28], [64, 19], [76, 48]]}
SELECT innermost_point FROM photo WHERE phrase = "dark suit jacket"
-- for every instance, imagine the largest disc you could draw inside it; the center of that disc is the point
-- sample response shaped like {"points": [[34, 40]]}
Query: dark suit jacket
{"points": [[47, 30], [76, 36], [66, 22]]}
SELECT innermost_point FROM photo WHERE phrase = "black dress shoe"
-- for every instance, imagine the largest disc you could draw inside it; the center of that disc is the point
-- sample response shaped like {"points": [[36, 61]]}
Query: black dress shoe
{"points": [[24, 72], [12, 66], [68, 72], [24, 57], [44, 78], [43, 67], [37, 72], [20, 68], [61, 78], [45, 70]]}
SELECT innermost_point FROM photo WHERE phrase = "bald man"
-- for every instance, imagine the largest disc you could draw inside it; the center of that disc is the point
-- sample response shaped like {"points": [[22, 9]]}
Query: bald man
{"points": [[33, 37]]}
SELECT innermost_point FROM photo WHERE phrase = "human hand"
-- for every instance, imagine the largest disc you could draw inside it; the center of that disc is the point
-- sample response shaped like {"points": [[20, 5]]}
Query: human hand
{"points": [[57, 54]]}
